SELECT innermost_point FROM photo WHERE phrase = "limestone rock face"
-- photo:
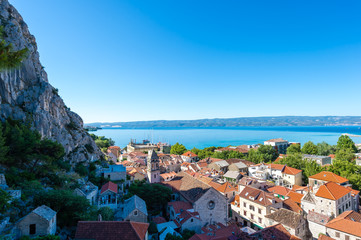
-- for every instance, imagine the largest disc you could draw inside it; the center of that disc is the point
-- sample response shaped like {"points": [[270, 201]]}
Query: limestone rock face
{"points": [[25, 94]]}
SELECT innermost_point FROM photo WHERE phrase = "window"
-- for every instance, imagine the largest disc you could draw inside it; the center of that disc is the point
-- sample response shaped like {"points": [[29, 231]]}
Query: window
{"points": [[337, 234], [32, 229], [252, 217], [259, 211], [135, 213], [347, 237], [245, 213], [260, 220], [244, 204], [192, 220]]}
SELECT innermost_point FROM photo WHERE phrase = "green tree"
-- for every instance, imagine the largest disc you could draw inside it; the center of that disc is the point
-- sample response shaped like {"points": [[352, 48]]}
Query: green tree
{"points": [[70, 208], [254, 156], [3, 148], [9, 58], [345, 142], [178, 149], [4, 201], [309, 148], [294, 148], [156, 196], [107, 213], [268, 153], [345, 155], [325, 149]]}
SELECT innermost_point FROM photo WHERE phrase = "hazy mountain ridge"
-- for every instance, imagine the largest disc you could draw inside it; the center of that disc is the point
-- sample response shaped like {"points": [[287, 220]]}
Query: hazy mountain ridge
{"points": [[238, 122]]}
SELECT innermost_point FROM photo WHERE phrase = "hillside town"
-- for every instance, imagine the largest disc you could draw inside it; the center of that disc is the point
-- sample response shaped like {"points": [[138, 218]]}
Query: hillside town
{"points": [[210, 198]]}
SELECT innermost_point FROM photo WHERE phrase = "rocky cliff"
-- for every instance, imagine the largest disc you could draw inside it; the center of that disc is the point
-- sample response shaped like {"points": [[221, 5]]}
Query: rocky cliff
{"points": [[25, 94]]}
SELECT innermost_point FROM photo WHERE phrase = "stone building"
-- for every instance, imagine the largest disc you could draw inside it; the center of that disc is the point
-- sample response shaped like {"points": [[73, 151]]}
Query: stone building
{"points": [[189, 157], [211, 205], [41, 221], [153, 169], [346, 226], [320, 160], [115, 172], [108, 196], [330, 199], [317, 223], [295, 223], [251, 205], [324, 177], [89, 191], [133, 209]]}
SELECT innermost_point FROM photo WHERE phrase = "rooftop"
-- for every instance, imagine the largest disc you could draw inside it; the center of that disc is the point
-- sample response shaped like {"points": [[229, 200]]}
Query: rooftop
{"points": [[45, 212], [329, 177], [109, 186], [285, 217], [111, 230], [348, 222], [332, 191]]}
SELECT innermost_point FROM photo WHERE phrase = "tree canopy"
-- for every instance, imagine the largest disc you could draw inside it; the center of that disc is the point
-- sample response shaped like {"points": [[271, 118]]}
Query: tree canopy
{"points": [[156, 196], [265, 153], [345, 142], [178, 149], [309, 148], [294, 148]]}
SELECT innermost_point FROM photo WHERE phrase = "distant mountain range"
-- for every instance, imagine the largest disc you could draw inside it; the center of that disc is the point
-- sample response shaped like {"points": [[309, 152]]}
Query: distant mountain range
{"points": [[238, 122]]}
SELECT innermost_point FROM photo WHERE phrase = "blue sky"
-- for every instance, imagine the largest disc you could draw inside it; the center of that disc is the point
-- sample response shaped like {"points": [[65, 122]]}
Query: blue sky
{"points": [[148, 60]]}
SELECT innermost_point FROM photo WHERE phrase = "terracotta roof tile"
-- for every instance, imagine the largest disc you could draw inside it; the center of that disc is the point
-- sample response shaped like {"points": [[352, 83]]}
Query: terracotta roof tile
{"points": [[189, 154], [348, 222], [332, 191], [112, 230], [292, 205], [277, 231], [109, 186], [279, 190], [295, 196], [226, 187], [180, 205], [324, 237], [189, 187], [329, 177]]}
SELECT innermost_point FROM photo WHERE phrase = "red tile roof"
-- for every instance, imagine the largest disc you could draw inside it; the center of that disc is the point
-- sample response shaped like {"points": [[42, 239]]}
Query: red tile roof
{"points": [[324, 237], [111, 230], [226, 187], [277, 231], [189, 154], [180, 205], [332, 191], [109, 186], [258, 196], [329, 177], [295, 196], [218, 232], [348, 222], [292, 205], [279, 190], [284, 168], [158, 220]]}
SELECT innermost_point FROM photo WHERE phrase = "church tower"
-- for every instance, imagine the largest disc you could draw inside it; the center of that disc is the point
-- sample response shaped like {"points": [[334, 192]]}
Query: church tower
{"points": [[153, 169]]}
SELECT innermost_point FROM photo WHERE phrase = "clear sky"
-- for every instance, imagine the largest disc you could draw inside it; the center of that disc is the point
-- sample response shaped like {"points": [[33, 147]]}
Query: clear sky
{"points": [[118, 60]]}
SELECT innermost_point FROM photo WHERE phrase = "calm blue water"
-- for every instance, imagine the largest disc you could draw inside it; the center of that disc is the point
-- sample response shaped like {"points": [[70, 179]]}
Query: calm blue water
{"points": [[205, 137]]}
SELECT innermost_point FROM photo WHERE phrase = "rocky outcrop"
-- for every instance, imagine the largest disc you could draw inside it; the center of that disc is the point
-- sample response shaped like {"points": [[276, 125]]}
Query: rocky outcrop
{"points": [[25, 94]]}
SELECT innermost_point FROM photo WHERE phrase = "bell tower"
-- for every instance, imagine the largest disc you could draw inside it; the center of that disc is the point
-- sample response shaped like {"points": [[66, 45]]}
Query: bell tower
{"points": [[153, 169]]}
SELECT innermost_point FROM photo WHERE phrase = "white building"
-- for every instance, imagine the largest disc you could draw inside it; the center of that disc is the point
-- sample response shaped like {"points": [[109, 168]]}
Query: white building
{"points": [[279, 144]]}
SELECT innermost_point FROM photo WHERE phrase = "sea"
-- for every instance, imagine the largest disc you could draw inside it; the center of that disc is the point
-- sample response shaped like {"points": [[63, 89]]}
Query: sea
{"points": [[226, 136]]}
